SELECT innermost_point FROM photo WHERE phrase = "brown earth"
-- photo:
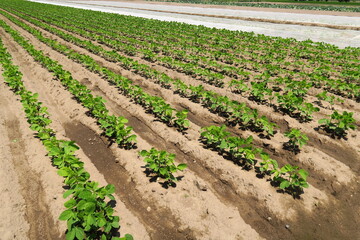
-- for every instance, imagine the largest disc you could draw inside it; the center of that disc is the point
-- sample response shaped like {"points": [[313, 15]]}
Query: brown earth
{"points": [[215, 199]]}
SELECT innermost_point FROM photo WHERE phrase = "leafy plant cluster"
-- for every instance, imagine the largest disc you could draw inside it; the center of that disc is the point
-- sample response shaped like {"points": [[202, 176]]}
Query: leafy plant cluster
{"points": [[162, 164], [237, 113], [297, 139], [294, 105], [292, 102], [272, 60], [325, 96], [113, 39], [301, 110], [154, 104], [242, 150], [132, 46], [114, 127], [338, 124], [88, 213], [259, 91]]}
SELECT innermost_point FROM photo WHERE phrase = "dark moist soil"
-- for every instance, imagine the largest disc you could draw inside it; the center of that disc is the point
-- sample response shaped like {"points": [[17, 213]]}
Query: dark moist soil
{"points": [[37, 211], [160, 224], [335, 221]]}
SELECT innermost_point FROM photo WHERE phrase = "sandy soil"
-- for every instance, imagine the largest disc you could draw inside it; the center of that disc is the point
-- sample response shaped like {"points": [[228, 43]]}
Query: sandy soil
{"points": [[215, 198]]}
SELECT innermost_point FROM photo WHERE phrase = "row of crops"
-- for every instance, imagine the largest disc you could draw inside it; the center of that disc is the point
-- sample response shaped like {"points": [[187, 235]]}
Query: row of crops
{"points": [[241, 77], [87, 211], [271, 84]]}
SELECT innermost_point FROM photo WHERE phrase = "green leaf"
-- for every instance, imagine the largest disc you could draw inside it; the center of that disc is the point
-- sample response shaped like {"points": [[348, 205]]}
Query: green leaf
{"points": [[181, 166], [284, 184], [115, 224], [129, 237], [70, 203], [65, 215], [153, 166], [110, 189], [143, 153], [68, 193], [85, 194], [79, 233], [43, 135], [303, 174], [89, 207], [63, 172], [305, 185], [70, 235], [323, 121], [90, 220], [101, 222], [163, 171]]}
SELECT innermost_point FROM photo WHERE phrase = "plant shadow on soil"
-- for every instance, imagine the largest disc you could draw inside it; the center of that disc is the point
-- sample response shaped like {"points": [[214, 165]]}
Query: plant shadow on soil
{"points": [[295, 193], [155, 178], [295, 149], [323, 130]]}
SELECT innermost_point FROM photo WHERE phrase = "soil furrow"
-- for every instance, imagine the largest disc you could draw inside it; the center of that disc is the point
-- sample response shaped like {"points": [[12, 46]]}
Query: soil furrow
{"points": [[174, 99], [279, 119], [12, 203], [289, 158], [113, 95], [225, 211], [41, 224], [215, 198]]}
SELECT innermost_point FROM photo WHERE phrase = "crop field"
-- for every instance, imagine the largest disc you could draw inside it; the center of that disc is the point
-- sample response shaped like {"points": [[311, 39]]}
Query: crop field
{"points": [[119, 127]]}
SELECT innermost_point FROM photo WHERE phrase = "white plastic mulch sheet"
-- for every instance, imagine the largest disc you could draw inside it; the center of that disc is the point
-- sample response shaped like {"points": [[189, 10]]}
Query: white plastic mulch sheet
{"points": [[341, 38]]}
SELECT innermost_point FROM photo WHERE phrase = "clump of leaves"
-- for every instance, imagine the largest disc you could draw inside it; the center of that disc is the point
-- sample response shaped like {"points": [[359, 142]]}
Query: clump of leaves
{"points": [[324, 96], [338, 123], [297, 140], [87, 211], [88, 215], [291, 178], [162, 164], [181, 121], [267, 165], [238, 86]]}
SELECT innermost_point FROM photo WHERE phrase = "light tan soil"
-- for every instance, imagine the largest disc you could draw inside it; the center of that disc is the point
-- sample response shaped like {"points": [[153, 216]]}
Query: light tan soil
{"points": [[29, 189], [215, 199]]}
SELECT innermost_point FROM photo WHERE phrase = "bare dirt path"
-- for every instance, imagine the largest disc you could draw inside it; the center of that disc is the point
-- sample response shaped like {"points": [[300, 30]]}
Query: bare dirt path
{"points": [[36, 205], [190, 216], [35, 71], [12, 202], [336, 168]]}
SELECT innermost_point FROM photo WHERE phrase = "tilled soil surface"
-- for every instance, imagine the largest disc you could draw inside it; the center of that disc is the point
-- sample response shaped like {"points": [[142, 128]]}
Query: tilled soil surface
{"points": [[215, 198]]}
